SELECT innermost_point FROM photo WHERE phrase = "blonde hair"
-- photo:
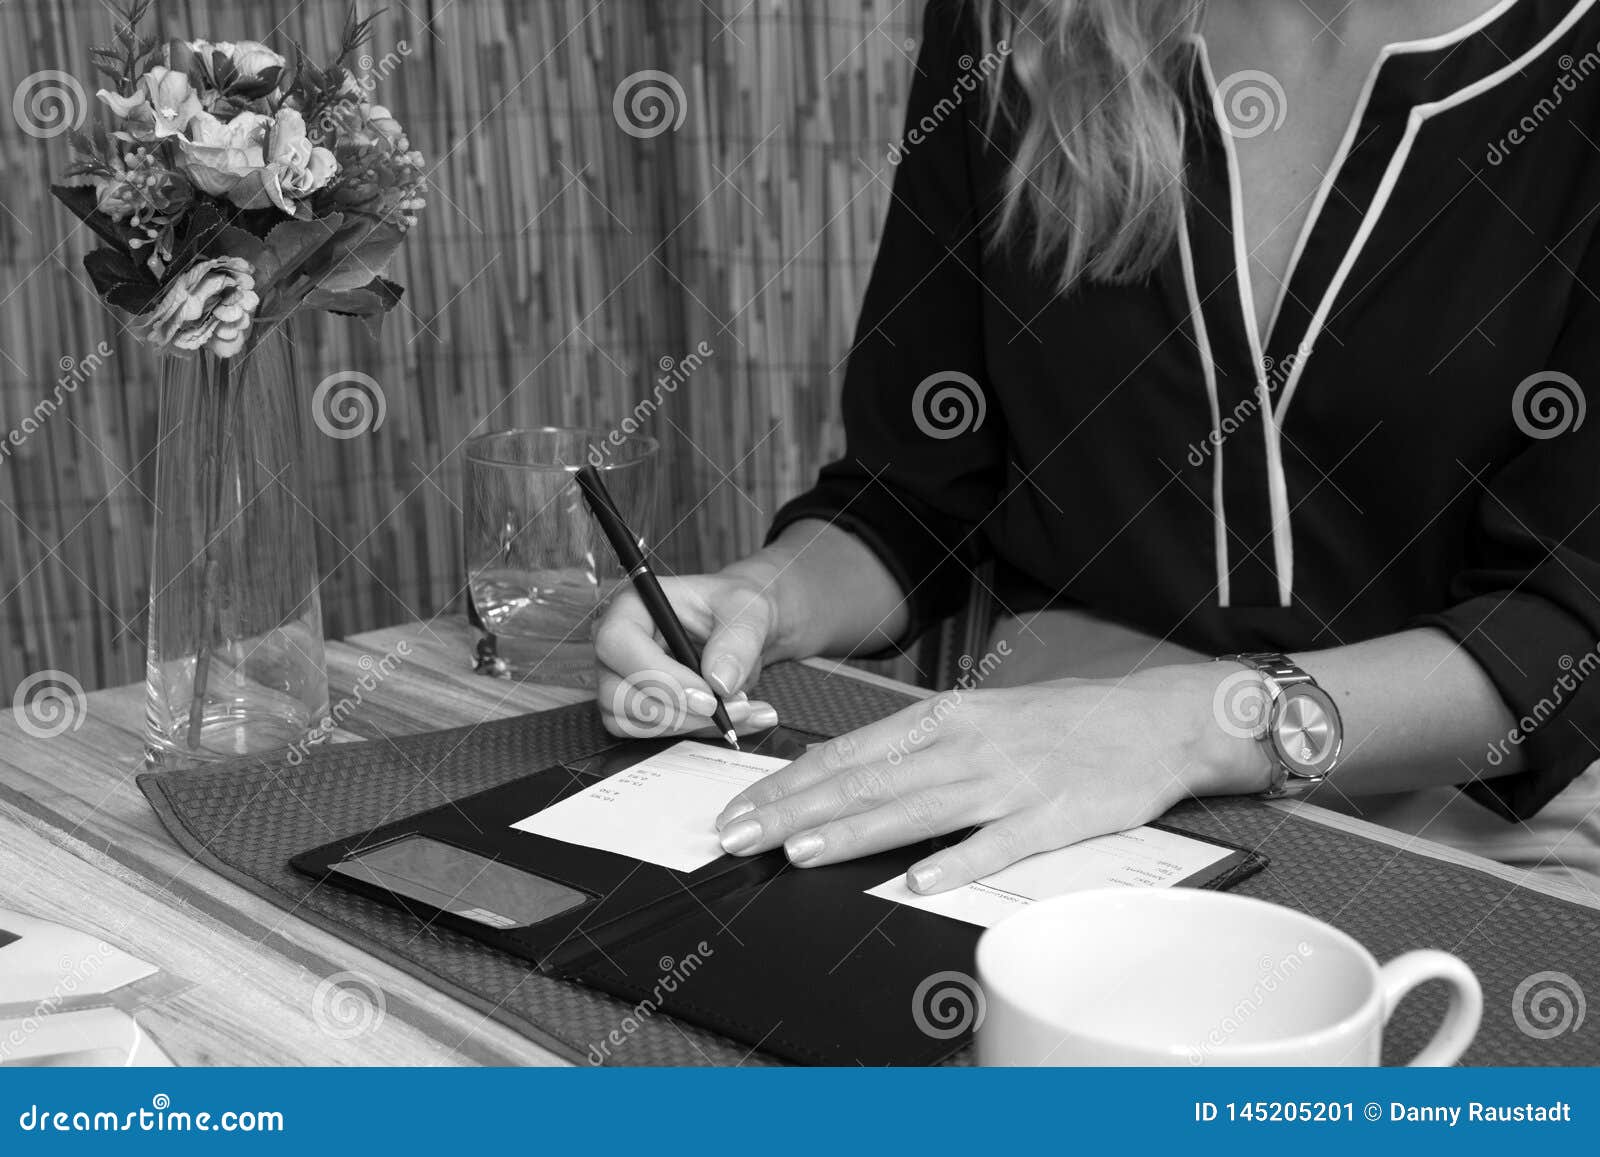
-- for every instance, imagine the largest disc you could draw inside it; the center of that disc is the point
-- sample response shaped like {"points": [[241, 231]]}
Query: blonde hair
{"points": [[1095, 92]]}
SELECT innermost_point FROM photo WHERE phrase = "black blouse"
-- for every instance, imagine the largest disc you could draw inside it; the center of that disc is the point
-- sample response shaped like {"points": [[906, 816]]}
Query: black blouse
{"points": [[1423, 459]]}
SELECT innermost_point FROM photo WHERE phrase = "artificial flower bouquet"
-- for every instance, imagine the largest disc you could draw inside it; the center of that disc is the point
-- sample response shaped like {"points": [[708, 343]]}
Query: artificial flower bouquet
{"points": [[237, 185], [233, 187]]}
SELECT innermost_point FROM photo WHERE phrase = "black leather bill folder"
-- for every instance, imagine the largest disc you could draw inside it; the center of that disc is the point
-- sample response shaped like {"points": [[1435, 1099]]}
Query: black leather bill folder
{"points": [[800, 964]]}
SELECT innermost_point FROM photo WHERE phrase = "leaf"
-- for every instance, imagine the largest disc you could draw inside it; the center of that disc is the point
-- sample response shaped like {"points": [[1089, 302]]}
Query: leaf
{"points": [[84, 205], [370, 247], [120, 280], [265, 82], [231, 242], [356, 33], [257, 221], [90, 151], [303, 67], [127, 47], [201, 226], [83, 202], [370, 301], [222, 70], [108, 267], [94, 142], [290, 246], [377, 296]]}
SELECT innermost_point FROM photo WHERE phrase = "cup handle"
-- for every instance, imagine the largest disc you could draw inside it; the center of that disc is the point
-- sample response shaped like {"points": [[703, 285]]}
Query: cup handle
{"points": [[1406, 971]]}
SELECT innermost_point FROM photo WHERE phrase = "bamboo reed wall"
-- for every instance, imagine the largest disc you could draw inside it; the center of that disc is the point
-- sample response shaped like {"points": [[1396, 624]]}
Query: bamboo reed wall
{"points": [[559, 260]]}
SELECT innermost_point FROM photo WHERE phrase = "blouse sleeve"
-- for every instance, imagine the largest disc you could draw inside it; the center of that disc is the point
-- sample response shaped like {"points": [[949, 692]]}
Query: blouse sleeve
{"points": [[924, 448], [1529, 593]]}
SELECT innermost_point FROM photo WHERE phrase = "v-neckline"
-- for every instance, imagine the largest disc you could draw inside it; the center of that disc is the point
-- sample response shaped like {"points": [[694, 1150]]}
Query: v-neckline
{"points": [[1351, 198], [1259, 341]]}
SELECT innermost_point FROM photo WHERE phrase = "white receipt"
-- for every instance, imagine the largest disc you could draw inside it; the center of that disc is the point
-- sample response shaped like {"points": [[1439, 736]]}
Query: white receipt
{"points": [[1140, 858], [661, 810]]}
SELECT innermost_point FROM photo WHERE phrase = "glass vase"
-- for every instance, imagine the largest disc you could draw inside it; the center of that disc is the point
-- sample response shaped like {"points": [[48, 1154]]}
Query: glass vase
{"points": [[235, 660]]}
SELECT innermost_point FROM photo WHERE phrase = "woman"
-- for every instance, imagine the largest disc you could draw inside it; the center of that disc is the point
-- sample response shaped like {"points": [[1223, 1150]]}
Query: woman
{"points": [[1269, 326]]}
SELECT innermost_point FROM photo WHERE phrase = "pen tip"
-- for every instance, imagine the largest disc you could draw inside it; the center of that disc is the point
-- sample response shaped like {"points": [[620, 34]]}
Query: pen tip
{"points": [[733, 739]]}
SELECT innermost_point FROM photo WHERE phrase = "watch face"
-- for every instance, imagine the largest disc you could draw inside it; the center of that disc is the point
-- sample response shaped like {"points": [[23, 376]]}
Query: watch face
{"points": [[1307, 731]]}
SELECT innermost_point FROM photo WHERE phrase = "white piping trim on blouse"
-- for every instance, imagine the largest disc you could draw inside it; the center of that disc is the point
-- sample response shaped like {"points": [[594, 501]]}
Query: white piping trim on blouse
{"points": [[1352, 127], [1219, 517], [1391, 177], [1277, 487], [1272, 418], [1347, 142]]}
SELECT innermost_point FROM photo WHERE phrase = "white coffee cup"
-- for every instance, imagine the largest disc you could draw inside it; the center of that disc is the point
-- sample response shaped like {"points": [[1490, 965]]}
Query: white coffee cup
{"points": [[1125, 976]]}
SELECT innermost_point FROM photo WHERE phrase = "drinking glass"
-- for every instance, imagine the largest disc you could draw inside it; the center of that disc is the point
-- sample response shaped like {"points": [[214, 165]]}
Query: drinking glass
{"points": [[540, 570]]}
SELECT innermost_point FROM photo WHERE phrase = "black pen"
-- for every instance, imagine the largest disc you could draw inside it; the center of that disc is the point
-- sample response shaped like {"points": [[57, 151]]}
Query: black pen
{"points": [[637, 567]]}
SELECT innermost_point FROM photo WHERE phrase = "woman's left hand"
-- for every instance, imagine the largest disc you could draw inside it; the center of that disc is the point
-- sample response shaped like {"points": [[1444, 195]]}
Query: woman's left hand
{"points": [[1034, 768]]}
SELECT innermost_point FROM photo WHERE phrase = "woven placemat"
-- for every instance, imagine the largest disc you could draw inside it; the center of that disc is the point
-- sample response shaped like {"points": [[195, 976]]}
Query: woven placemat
{"points": [[245, 821]]}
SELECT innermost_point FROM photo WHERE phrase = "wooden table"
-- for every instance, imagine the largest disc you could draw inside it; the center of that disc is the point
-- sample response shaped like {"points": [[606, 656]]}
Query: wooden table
{"points": [[79, 844]]}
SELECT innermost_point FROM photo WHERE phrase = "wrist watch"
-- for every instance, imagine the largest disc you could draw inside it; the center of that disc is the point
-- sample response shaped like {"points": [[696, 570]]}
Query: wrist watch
{"points": [[1303, 734]]}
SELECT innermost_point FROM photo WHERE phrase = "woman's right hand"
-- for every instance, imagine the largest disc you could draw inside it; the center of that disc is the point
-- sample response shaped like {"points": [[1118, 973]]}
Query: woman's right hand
{"points": [[816, 590], [644, 692]]}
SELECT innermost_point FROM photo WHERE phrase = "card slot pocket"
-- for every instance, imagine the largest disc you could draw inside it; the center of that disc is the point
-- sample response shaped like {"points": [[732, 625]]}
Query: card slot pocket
{"points": [[624, 897]]}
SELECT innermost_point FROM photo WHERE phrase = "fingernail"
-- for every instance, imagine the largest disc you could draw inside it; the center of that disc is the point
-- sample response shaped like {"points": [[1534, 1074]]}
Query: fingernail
{"points": [[799, 849], [764, 716], [925, 878], [700, 702], [741, 837], [736, 697], [725, 674], [733, 811]]}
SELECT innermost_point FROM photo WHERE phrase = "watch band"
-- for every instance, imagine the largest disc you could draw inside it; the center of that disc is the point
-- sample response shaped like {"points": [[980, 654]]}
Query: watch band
{"points": [[1278, 673], [1276, 669]]}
